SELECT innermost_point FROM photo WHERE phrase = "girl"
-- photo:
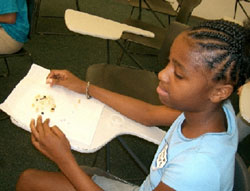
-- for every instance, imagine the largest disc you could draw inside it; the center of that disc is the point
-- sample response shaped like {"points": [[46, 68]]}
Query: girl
{"points": [[206, 64]]}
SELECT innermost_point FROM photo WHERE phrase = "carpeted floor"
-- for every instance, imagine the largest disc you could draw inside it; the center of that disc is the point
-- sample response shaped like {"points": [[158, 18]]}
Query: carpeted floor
{"points": [[75, 53]]}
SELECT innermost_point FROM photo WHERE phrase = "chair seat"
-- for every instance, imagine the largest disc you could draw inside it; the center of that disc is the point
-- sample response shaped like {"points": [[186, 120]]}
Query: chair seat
{"points": [[241, 176], [140, 84], [156, 42]]}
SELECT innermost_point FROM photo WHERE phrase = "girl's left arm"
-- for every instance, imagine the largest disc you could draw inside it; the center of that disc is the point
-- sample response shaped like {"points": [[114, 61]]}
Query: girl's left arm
{"points": [[51, 142], [9, 18]]}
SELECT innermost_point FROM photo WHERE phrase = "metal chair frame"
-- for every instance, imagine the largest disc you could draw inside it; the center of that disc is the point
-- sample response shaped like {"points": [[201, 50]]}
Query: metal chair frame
{"points": [[156, 43], [55, 17], [241, 6], [153, 6]]}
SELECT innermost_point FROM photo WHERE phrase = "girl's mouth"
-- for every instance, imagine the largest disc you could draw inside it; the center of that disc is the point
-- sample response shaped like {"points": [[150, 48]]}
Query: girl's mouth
{"points": [[161, 91]]}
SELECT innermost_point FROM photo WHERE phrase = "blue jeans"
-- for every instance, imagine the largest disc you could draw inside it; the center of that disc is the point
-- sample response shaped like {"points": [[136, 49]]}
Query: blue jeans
{"points": [[108, 184]]}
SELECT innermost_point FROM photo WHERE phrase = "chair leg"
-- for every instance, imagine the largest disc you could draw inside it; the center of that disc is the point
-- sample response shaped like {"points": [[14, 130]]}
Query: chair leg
{"points": [[131, 12], [37, 13], [235, 8], [129, 55], [130, 152], [243, 9], [108, 157], [3, 117], [7, 68], [133, 155], [155, 15], [95, 159], [140, 10], [108, 52], [241, 6], [126, 45], [77, 5]]}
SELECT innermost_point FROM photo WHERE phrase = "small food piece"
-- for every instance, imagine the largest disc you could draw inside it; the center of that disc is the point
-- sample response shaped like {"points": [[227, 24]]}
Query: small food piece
{"points": [[43, 104]]}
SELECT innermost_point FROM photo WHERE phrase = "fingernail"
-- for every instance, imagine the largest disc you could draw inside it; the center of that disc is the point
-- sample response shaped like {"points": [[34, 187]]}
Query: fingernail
{"points": [[49, 81]]}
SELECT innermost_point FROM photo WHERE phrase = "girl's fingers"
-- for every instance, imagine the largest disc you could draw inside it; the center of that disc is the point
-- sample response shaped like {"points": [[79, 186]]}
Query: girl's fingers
{"points": [[46, 127], [34, 130], [57, 131], [50, 81], [51, 74], [39, 126], [54, 77], [34, 141]]}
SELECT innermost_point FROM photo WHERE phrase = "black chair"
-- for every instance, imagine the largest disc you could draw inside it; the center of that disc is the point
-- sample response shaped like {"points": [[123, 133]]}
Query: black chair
{"points": [[37, 15], [32, 7], [241, 177], [241, 6]]}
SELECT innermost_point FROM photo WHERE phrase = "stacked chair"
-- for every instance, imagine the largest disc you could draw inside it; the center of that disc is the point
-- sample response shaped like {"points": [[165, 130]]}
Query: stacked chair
{"points": [[160, 6], [182, 16], [238, 2]]}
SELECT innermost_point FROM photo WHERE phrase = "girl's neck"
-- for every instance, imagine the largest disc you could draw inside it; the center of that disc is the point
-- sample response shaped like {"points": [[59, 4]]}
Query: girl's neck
{"points": [[197, 124]]}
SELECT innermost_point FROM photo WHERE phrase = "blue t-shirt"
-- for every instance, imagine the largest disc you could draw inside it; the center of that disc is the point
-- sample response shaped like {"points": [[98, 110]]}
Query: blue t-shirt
{"points": [[201, 164], [18, 31]]}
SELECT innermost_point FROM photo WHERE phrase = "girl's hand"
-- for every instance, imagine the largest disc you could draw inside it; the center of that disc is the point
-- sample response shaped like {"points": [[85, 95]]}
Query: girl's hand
{"points": [[66, 79], [50, 141]]}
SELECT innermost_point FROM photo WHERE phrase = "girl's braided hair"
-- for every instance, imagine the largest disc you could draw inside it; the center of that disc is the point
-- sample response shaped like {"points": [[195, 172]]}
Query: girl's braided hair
{"points": [[228, 48]]}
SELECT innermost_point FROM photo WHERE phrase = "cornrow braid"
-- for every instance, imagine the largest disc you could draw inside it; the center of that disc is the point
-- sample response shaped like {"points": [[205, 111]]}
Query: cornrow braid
{"points": [[230, 45]]}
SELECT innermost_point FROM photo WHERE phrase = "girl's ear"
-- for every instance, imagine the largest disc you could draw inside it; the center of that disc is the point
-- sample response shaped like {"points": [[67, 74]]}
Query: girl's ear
{"points": [[221, 92]]}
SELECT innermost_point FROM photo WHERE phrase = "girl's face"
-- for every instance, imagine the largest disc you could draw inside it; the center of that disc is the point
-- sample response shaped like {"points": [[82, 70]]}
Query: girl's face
{"points": [[185, 84]]}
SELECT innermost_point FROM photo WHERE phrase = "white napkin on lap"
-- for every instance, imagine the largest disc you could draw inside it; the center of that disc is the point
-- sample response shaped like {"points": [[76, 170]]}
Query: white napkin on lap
{"points": [[75, 115]]}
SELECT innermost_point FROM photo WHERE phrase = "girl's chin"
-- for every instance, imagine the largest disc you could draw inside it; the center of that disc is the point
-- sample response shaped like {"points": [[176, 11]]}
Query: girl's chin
{"points": [[164, 101]]}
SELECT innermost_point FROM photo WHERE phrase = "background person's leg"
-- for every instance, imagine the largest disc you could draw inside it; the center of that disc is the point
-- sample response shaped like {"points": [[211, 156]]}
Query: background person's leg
{"points": [[7, 44]]}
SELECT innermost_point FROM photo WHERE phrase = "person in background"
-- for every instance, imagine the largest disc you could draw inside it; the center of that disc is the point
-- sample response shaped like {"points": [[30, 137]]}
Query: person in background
{"points": [[207, 63], [243, 125], [14, 25]]}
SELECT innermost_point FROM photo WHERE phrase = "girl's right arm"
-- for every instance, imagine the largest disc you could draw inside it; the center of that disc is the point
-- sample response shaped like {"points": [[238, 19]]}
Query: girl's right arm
{"points": [[142, 112], [9, 18]]}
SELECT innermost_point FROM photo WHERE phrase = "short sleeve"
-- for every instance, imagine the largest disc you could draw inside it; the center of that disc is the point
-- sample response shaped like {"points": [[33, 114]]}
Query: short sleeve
{"points": [[9, 6], [192, 172]]}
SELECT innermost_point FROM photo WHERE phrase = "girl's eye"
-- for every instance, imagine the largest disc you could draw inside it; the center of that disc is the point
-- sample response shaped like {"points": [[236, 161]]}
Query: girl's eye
{"points": [[178, 76]]}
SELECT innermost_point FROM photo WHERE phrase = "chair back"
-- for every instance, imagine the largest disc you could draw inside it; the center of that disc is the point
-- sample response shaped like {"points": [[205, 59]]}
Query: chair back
{"points": [[186, 9], [32, 6], [173, 30], [241, 176]]}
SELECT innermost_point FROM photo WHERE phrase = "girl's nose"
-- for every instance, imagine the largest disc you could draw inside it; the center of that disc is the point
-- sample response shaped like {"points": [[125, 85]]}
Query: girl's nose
{"points": [[164, 74]]}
